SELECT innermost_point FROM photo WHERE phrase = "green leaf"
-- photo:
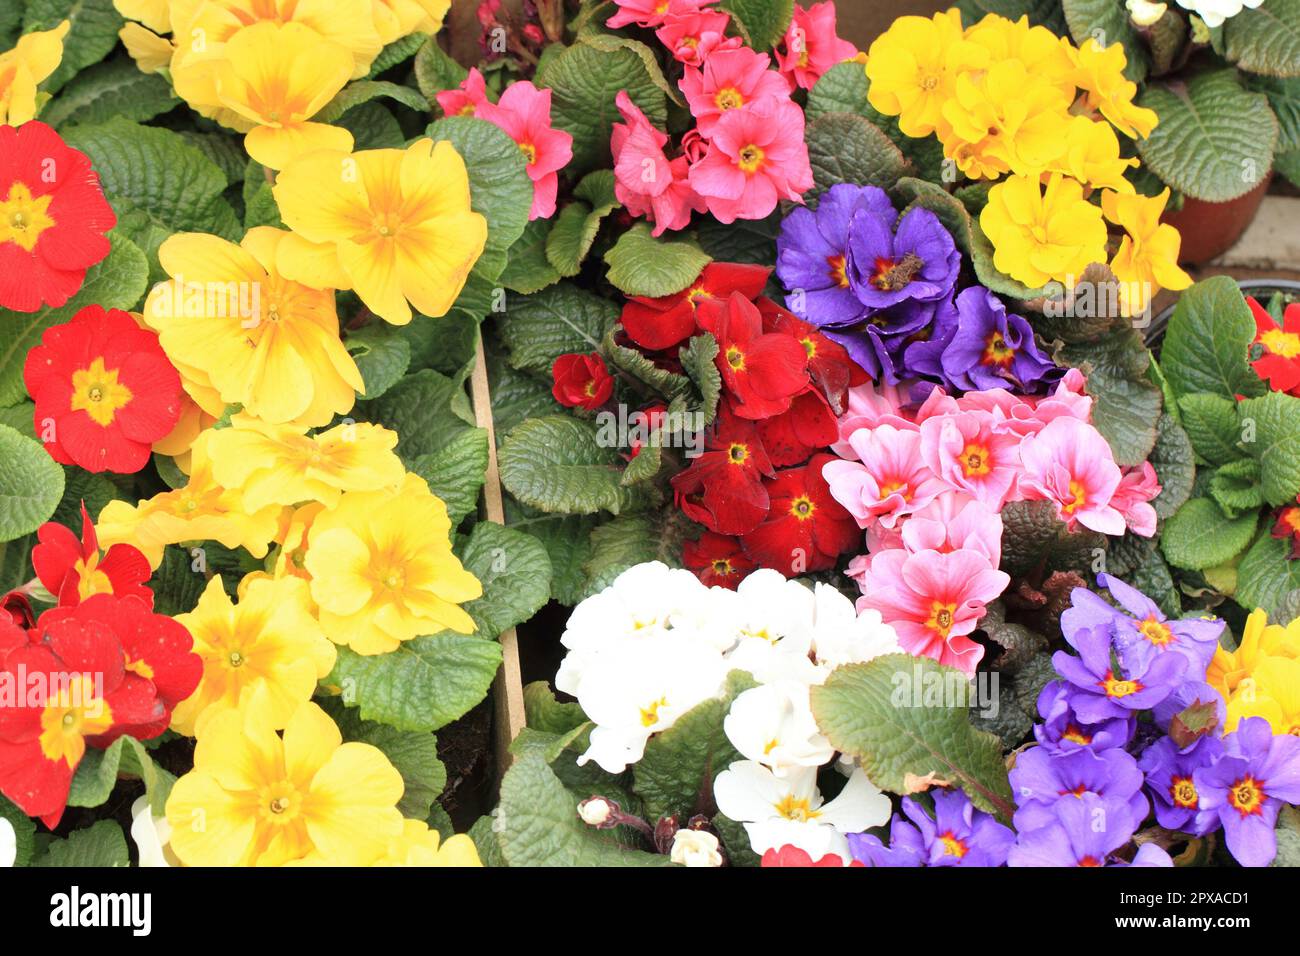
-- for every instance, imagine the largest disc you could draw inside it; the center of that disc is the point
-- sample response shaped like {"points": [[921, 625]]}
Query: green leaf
{"points": [[1199, 536], [571, 238], [748, 241], [455, 472], [372, 126], [1215, 138], [1288, 164], [584, 82], [630, 540], [96, 776], [1172, 459], [516, 575], [24, 831], [841, 89], [118, 282], [1266, 575], [260, 207], [910, 192], [419, 409], [1235, 487], [640, 264], [697, 358], [114, 88], [99, 845], [528, 270], [762, 22], [1109, 22], [1284, 97], [558, 464], [1035, 539], [435, 71], [537, 824], [1205, 348], [382, 356], [676, 774], [424, 684], [91, 37], [1127, 404], [399, 51], [21, 418], [363, 91], [1211, 424], [517, 397], [31, 484], [158, 184], [137, 762], [612, 41], [871, 711], [1273, 422], [498, 180], [847, 148], [547, 714], [636, 363], [1265, 39], [557, 321], [567, 539]]}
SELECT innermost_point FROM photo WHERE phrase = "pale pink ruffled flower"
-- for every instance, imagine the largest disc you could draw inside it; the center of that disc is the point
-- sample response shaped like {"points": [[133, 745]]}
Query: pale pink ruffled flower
{"points": [[888, 481], [1069, 464], [968, 452], [730, 80], [651, 13], [1137, 487], [646, 181], [954, 522]]}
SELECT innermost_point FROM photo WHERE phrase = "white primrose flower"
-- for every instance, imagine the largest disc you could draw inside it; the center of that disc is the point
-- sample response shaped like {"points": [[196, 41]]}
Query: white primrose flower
{"points": [[778, 811], [773, 725], [637, 688], [1214, 12], [8, 844], [152, 835], [840, 635], [772, 619], [695, 848], [1144, 13]]}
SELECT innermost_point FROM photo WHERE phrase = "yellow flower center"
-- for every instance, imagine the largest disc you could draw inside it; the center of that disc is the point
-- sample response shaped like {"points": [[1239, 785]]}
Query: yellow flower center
{"points": [[895, 488], [279, 803], [810, 347], [91, 580], [751, 158], [997, 352], [97, 392], [650, 713], [1077, 499], [941, 618], [1156, 632], [1075, 735], [1117, 687], [952, 846], [236, 659], [729, 98], [736, 358], [1246, 796], [529, 151], [1285, 344], [1183, 793], [721, 566], [802, 508], [975, 460], [23, 218], [838, 274], [928, 82], [139, 668], [796, 808], [70, 715]]}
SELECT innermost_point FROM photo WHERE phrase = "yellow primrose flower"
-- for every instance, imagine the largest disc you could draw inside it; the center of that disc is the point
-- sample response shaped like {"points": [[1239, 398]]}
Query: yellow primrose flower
{"points": [[1272, 692], [1147, 258], [392, 224], [262, 341], [382, 570], [1259, 640], [420, 846], [395, 19], [913, 67], [277, 76], [256, 799], [1043, 234], [269, 640], [1101, 74], [29, 63], [1010, 120], [1092, 155], [150, 51], [154, 14], [291, 555], [1044, 54], [279, 465], [201, 511]]}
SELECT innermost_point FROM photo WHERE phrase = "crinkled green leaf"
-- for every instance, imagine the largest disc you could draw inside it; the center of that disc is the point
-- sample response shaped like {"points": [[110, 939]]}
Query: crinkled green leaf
{"points": [[363, 91], [113, 88], [91, 36], [697, 358], [1215, 138], [558, 464], [1172, 459], [413, 753], [547, 714], [1127, 404], [559, 320], [870, 711], [1265, 39], [420, 409], [1211, 423], [640, 264], [1266, 576], [455, 471], [99, 845], [1199, 536], [1270, 428], [424, 684], [382, 356], [629, 540], [1034, 538], [436, 71], [516, 574], [1205, 348], [31, 485], [762, 22], [528, 270], [517, 397], [1235, 487], [847, 148], [567, 539]]}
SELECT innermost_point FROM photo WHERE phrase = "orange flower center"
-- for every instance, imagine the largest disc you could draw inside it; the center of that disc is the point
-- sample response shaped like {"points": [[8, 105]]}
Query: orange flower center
{"points": [[838, 274], [941, 618], [997, 352], [738, 454], [736, 358], [952, 846], [1156, 632], [529, 151], [1246, 796], [1077, 499], [1183, 793], [97, 392], [71, 714], [1117, 687], [23, 217], [975, 460]]}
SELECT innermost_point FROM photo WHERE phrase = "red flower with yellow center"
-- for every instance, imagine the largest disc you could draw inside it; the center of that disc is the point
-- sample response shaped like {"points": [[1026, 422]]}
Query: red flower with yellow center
{"points": [[717, 560], [806, 529], [723, 488], [73, 569], [1275, 353], [762, 371], [829, 364], [581, 381], [53, 218], [662, 323], [104, 391]]}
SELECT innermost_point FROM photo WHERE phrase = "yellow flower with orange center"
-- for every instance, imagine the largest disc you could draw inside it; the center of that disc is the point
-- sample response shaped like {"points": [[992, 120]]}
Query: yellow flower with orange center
{"points": [[269, 640], [1043, 233], [231, 320], [1147, 258], [382, 569], [394, 225]]}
